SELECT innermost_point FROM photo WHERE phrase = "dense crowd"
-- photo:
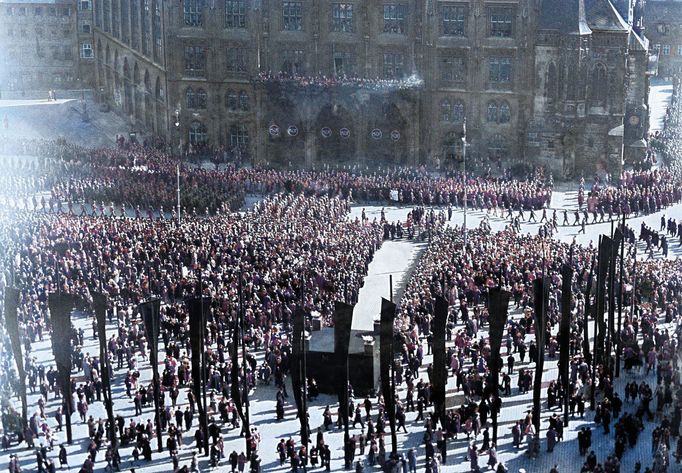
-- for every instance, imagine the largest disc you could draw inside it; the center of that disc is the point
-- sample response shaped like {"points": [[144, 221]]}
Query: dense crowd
{"points": [[322, 81]]}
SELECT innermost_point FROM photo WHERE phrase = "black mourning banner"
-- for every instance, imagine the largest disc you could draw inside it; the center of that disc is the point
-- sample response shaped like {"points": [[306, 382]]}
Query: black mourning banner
{"points": [[297, 376], [61, 305], [12, 324], [498, 305], [588, 308], [151, 312], [613, 262], [235, 385], [199, 308], [565, 325], [604, 258], [386, 334], [540, 296], [99, 304], [440, 374], [343, 318]]}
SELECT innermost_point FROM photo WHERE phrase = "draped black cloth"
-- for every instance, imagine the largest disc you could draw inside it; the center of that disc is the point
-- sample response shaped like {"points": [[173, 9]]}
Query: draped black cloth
{"points": [[12, 324], [386, 339], [199, 307]]}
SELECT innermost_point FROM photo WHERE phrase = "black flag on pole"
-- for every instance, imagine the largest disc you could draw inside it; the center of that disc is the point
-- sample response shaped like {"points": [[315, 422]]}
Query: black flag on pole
{"points": [[540, 293], [440, 374], [12, 324], [605, 253], [386, 334], [235, 385], [199, 308], [588, 309], [565, 328], [297, 349], [61, 305], [151, 312], [343, 318], [498, 306], [99, 303]]}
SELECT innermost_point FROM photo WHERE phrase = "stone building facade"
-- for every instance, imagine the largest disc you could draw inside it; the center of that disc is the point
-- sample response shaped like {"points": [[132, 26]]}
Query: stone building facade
{"points": [[201, 72], [664, 30], [45, 44]]}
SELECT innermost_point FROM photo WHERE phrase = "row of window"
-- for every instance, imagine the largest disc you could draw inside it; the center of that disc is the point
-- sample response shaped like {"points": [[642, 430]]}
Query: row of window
{"points": [[238, 135], [198, 100], [497, 111], [453, 68], [667, 49], [453, 18], [40, 33], [38, 11]]}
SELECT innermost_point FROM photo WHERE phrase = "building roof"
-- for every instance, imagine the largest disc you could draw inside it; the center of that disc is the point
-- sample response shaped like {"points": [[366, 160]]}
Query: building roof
{"points": [[36, 2], [564, 16], [603, 16]]}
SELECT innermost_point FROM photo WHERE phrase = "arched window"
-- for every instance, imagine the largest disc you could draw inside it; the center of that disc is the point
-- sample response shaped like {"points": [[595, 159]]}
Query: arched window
{"points": [[197, 133], [598, 86], [452, 148], [446, 110], [504, 113], [190, 98], [552, 85], [239, 136], [491, 115], [193, 10], [458, 111], [231, 100], [201, 99], [244, 101]]}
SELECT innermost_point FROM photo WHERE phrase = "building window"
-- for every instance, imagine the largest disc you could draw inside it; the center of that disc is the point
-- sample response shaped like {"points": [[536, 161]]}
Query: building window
{"points": [[9, 11], [194, 10], [498, 112], [551, 85], [453, 69], [21, 11], [393, 66], [501, 21], [452, 112], [500, 70], [195, 61], [343, 64], [453, 148], [394, 18], [66, 12], [292, 16], [294, 62], [244, 101], [231, 100], [236, 59], [599, 88], [491, 113], [195, 99], [38, 11], [86, 50], [52, 11], [342, 17], [235, 13], [453, 20], [666, 50], [197, 134], [679, 49], [85, 5], [86, 28], [239, 136]]}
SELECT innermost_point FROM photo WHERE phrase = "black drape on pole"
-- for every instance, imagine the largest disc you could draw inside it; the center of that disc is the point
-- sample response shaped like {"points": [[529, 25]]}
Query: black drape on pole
{"points": [[198, 315], [440, 373], [343, 319], [12, 324], [540, 293], [297, 375], [588, 309], [602, 274], [565, 332], [613, 262], [235, 390], [386, 337], [150, 317], [498, 305], [99, 303], [61, 306], [621, 296]]}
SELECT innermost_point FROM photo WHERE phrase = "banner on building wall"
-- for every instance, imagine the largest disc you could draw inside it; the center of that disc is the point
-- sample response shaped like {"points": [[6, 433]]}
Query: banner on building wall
{"points": [[273, 130], [292, 130], [344, 132], [395, 135], [326, 132], [377, 134]]}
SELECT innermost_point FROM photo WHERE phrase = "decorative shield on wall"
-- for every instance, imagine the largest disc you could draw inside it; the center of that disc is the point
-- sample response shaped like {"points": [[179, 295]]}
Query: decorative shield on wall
{"points": [[274, 130], [292, 130], [377, 134], [395, 135], [326, 132], [344, 132]]}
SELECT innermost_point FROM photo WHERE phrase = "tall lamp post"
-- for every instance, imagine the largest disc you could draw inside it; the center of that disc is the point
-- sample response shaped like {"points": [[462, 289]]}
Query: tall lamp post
{"points": [[464, 166]]}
